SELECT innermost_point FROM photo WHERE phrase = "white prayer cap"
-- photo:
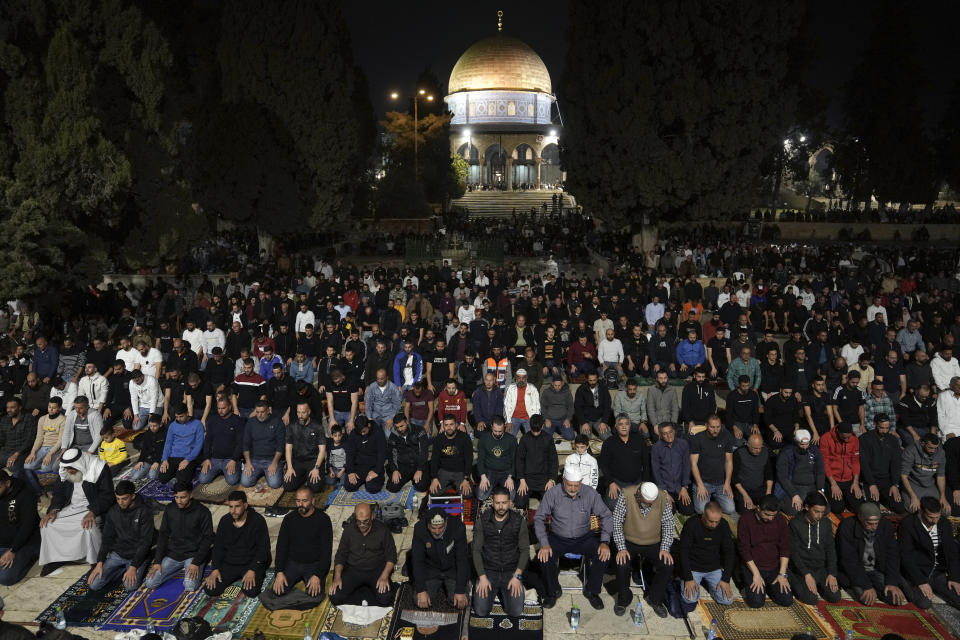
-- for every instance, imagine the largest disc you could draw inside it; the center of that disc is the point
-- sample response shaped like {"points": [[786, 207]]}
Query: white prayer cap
{"points": [[521, 372], [802, 435], [649, 491], [572, 474]]}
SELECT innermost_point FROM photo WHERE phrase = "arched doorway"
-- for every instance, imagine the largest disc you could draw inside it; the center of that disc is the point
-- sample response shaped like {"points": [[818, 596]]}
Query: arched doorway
{"points": [[473, 159], [550, 173], [524, 167], [495, 167]]}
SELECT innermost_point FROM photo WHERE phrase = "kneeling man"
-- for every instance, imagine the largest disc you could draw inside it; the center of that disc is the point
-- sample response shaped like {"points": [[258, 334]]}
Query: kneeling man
{"points": [[241, 549]]}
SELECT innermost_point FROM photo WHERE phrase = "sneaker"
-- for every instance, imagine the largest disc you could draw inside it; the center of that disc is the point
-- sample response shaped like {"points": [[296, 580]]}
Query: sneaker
{"points": [[660, 609], [593, 599]]}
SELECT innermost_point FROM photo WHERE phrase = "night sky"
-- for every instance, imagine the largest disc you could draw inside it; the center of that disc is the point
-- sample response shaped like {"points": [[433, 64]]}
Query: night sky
{"points": [[394, 42]]}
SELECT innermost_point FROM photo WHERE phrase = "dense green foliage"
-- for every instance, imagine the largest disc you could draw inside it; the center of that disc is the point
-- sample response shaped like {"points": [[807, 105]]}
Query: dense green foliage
{"points": [[127, 129], [671, 107]]}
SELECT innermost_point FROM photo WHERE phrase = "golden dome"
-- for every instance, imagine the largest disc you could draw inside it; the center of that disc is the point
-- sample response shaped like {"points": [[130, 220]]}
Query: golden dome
{"points": [[499, 62]]}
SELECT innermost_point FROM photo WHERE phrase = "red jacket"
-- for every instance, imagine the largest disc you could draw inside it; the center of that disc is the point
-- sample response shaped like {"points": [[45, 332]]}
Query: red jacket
{"points": [[841, 460], [576, 351], [456, 404]]}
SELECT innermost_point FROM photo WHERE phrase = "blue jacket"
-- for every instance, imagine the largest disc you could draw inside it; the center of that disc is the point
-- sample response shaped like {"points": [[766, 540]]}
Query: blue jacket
{"points": [[383, 405], [487, 404], [184, 440], [45, 362], [671, 465], [691, 355], [398, 363]]}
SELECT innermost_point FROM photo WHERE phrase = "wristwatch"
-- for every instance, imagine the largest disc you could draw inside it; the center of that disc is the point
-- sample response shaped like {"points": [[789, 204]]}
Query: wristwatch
{"points": [[784, 575]]}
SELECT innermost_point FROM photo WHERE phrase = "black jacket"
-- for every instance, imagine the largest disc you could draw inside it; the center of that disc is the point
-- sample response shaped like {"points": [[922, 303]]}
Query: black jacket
{"points": [[409, 452], [583, 406], [128, 532], [850, 544], [447, 556], [697, 402], [500, 546], [913, 413], [19, 522], [185, 533], [917, 558], [151, 445], [537, 459], [880, 460], [99, 494]]}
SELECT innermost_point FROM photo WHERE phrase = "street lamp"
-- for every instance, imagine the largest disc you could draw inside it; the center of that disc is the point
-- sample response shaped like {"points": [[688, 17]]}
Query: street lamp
{"points": [[416, 126]]}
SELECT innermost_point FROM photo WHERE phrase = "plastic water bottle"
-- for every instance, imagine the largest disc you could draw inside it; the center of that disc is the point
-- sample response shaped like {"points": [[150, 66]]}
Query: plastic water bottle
{"points": [[638, 613], [61, 619], [416, 500], [151, 628], [849, 634], [306, 632], [712, 633], [575, 617]]}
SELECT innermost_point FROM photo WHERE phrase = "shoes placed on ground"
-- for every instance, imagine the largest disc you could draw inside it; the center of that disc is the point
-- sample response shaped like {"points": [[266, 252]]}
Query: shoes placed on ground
{"points": [[660, 609], [50, 567], [593, 599], [549, 601]]}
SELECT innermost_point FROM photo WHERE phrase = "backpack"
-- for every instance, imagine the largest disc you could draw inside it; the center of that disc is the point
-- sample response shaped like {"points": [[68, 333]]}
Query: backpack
{"points": [[192, 629], [673, 598]]}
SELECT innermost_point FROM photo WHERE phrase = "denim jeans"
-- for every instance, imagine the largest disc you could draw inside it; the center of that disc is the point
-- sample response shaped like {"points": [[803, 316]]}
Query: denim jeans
{"points": [[145, 472], [342, 418], [218, 466], [37, 464], [274, 481], [557, 426], [712, 578], [168, 567], [519, 425], [114, 566], [144, 416], [22, 561], [714, 491]]}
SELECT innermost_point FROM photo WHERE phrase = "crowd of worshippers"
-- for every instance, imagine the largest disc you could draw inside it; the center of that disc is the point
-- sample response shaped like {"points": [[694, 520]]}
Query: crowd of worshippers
{"points": [[771, 556], [379, 378]]}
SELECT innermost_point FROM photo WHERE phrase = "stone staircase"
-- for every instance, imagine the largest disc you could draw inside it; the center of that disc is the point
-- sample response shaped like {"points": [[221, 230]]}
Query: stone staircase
{"points": [[502, 203]]}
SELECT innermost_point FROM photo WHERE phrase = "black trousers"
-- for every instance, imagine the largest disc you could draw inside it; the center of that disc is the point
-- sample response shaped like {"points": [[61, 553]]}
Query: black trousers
{"points": [[847, 501], [230, 574], [372, 486], [297, 571], [406, 475], [683, 509], [587, 547], [938, 582], [755, 495], [897, 506], [365, 581], [303, 468], [878, 582], [772, 589], [662, 573], [185, 475], [536, 490], [802, 593]]}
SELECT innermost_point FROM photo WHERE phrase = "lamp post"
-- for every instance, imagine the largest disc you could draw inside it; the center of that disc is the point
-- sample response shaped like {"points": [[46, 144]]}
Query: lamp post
{"points": [[416, 126]]}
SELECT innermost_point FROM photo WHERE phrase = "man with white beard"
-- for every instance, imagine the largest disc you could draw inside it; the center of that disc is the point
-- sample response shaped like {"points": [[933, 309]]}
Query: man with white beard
{"points": [[70, 531]]}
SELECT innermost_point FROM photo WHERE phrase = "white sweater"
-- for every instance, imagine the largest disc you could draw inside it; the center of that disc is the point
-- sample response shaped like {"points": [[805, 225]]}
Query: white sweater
{"points": [[610, 351], [587, 465]]}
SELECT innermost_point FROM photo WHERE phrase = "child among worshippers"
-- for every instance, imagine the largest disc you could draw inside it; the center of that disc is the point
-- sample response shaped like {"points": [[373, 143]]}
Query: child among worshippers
{"points": [[112, 450], [336, 456], [583, 462]]}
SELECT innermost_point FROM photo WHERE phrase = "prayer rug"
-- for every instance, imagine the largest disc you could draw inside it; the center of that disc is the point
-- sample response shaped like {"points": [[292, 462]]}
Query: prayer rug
{"points": [[344, 498], [878, 620], [288, 499], [165, 605], [158, 491], [47, 478], [84, 607], [376, 630], [231, 611], [261, 495], [442, 621], [499, 626], [286, 624], [215, 492], [770, 622]]}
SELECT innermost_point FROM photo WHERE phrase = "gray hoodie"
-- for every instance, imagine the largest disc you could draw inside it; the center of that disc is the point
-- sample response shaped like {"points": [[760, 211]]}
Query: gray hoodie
{"points": [[557, 405]]}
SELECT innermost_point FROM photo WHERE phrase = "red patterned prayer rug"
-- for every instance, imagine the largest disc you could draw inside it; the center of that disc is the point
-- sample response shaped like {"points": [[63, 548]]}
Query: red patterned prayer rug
{"points": [[877, 620]]}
